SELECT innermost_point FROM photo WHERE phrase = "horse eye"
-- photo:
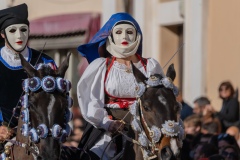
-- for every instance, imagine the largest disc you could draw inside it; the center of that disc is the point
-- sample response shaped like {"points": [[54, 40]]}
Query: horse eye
{"points": [[146, 105], [146, 108]]}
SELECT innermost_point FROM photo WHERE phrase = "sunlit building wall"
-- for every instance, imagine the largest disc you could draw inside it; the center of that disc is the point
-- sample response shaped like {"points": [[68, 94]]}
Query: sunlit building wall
{"points": [[205, 34]]}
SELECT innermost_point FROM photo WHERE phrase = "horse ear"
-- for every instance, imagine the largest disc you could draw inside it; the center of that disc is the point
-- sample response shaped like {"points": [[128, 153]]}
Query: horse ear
{"points": [[140, 77], [27, 67], [171, 72], [64, 66]]}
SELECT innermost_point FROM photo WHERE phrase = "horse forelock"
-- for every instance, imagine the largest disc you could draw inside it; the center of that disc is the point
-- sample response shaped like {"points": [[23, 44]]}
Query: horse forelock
{"points": [[48, 109], [48, 106], [46, 70], [159, 76]]}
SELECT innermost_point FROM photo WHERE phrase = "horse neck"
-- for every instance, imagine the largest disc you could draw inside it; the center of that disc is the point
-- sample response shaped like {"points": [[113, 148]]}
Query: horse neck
{"points": [[21, 153], [19, 136]]}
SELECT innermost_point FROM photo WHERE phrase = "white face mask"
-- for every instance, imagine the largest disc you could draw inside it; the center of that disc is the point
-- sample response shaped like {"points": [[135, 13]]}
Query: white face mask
{"points": [[122, 51], [124, 35], [17, 36]]}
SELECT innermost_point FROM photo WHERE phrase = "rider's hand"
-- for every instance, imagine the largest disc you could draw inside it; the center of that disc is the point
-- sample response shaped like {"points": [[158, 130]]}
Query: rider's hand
{"points": [[5, 133], [115, 126]]}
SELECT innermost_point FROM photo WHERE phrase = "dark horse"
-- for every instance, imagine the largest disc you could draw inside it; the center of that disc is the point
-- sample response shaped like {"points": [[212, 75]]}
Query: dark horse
{"points": [[42, 124], [156, 127]]}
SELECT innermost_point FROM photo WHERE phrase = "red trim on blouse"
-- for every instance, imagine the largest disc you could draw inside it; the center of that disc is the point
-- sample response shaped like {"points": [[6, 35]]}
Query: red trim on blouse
{"points": [[122, 102]]}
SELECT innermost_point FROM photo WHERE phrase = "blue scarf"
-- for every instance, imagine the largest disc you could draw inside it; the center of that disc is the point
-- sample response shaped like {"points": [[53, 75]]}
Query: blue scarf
{"points": [[90, 50]]}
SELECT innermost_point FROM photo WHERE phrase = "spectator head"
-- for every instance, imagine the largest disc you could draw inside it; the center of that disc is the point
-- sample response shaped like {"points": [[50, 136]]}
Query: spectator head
{"points": [[200, 104], [192, 124], [203, 150], [208, 150], [210, 128], [230, 153], [195, 153], [205, 138], [225, 140], [226, 90], [233, 131]]}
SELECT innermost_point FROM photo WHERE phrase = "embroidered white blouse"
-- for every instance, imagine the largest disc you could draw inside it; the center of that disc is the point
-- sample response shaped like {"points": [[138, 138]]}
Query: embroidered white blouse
{"points": [[119, 83]]}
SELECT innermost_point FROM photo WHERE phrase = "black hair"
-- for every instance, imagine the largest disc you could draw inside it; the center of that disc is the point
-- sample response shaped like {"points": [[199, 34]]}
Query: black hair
{"points": [[208, 150], [124, 22], [202, 101], [236, 151], [211, 127], [228, 85], [227, 137], [2, 41]]}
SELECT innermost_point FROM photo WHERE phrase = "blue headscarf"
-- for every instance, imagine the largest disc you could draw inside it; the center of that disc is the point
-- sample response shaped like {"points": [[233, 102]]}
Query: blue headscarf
{"points": [[90, 50]]}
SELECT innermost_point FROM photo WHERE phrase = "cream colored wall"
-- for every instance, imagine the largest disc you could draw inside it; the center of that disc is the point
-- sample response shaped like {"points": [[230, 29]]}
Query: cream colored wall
{"points": [[169, 43], [223, 51], [42, 8], [3, 4]]}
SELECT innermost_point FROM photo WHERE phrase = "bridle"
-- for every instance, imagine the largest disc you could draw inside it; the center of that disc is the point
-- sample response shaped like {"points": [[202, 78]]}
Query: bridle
{"points": [[149, 137], [48, 84]]}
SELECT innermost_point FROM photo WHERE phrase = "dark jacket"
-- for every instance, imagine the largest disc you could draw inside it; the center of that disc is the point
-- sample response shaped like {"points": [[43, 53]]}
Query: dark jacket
{"points": [[11, 84], [229, 114]]}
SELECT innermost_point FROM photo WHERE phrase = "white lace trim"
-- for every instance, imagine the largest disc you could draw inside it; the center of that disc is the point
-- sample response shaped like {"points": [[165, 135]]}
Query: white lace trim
{"points": [[124, 67], [11, 58], [121, 82]]}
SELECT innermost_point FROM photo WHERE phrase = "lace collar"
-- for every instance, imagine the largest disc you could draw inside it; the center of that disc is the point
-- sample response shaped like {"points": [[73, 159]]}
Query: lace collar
{"points": [[12, 60], [123, 66]]}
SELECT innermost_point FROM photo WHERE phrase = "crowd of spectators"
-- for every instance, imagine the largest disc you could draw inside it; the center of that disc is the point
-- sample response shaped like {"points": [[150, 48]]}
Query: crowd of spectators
{"points": [[211, 134]]}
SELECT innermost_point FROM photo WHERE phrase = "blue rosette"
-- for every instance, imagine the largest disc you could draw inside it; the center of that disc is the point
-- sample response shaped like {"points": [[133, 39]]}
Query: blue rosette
{"points": [[3, 156], [48, 84], [33, 135], [63, 136], [68, 115], [42, 131], [61, 84], [34, 84], [68, 130], [68, 85], [70, 101], [56, 131]]}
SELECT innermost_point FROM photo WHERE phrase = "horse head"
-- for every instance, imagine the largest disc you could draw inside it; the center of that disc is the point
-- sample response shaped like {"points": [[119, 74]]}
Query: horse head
{"points": [[160, 130], [44, 115]]}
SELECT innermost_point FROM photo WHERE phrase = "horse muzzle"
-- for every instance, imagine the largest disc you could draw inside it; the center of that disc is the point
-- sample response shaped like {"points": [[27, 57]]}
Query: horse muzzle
{"points": [[167, 154]]}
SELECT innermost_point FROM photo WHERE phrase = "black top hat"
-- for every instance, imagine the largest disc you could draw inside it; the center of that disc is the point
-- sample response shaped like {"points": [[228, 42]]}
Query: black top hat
{"points": [[14, 15]]}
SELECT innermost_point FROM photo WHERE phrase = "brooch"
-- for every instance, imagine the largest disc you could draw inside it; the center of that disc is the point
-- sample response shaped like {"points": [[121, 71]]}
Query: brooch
{"points": [[170, 128]]}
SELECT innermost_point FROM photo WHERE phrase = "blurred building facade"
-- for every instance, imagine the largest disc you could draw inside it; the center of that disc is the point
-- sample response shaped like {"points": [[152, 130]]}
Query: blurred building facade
{"points": [[205, 33]]}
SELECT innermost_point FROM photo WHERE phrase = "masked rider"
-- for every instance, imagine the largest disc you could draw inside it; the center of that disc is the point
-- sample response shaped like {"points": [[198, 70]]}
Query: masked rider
{"points": [[14, 28]]}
